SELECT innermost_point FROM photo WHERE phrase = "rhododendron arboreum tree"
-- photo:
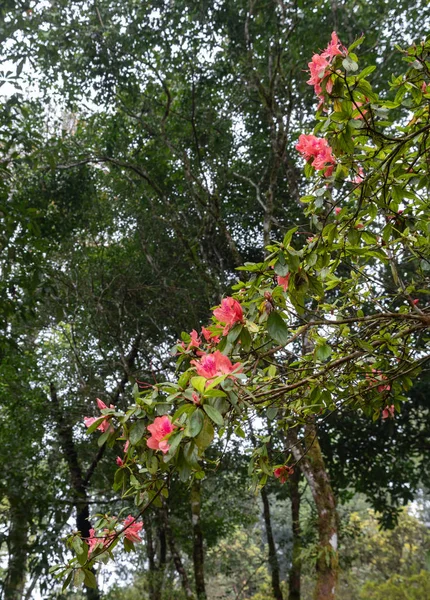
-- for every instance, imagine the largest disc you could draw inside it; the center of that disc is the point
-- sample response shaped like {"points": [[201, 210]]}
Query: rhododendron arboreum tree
{"points": [[325, 325]]}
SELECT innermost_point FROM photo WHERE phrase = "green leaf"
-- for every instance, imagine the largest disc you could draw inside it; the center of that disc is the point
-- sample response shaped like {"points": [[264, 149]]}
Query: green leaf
{"points": [[174, 442], [103, 438], [195, 423], [281, 269], [289, 235], [293, 261], [128, 545], [184, 379], [67, 581], [190, 455], [356, 43], [152, 465], [245, 340], [185, 408], [94, 426], [77, 545], [323, 352], [198, 384], [136, 432], [277, 328], [205, 437], [213, 414], [78, 578], [83, 556], [120, 475], [366, 71], [184, 468], [90, 580], [272, 412], [234, 333]]}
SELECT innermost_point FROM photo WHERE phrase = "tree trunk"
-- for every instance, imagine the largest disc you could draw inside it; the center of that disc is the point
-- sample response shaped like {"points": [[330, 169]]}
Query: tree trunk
{"points": [[273, 557], [177, 557], [151, 559], [198, 550], [17, 548], [156, 568], [295, 571], [79, 486], [312, 465]]}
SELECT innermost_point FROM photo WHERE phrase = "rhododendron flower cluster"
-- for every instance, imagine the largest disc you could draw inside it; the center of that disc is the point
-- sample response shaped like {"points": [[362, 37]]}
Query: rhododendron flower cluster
{"points": [[214, 365], [195, 341], [384, 387], [99, 542], [210, 337], [388, 412], [284, 281], [229, 313], [283, 473], [359, 177], [319, 67], [131, 532], [133, 529], [104, 425], [318, 149], [160, 428]]}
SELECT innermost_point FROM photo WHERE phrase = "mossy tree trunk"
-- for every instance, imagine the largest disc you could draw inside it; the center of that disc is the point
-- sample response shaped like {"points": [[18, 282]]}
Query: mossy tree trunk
{"points": [[311, 462]]}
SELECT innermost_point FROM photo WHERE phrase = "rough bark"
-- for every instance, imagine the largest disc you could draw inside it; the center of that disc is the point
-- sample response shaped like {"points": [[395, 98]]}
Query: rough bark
{"points": [[17, 549], [312, 465], [177, 557], [273, 557], [294, 577], [77, 479], [198, 549]]}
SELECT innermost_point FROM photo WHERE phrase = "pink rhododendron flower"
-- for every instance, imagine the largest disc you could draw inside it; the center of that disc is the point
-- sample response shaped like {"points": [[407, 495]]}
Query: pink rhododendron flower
{"points": [[359, 177], [318, 70], [284, 281], [195, 341], [319, 66], [126, 445], [318, 149], [416, 301], [229, 313], [196, 398], [334, 48], [384, 387], [388, 412], [98, 542], [337, 210], [133, 528], [119, 461], [160, 428], [210, 336], [104, 425], [283, 473], [213, 365], [362, 112]]}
